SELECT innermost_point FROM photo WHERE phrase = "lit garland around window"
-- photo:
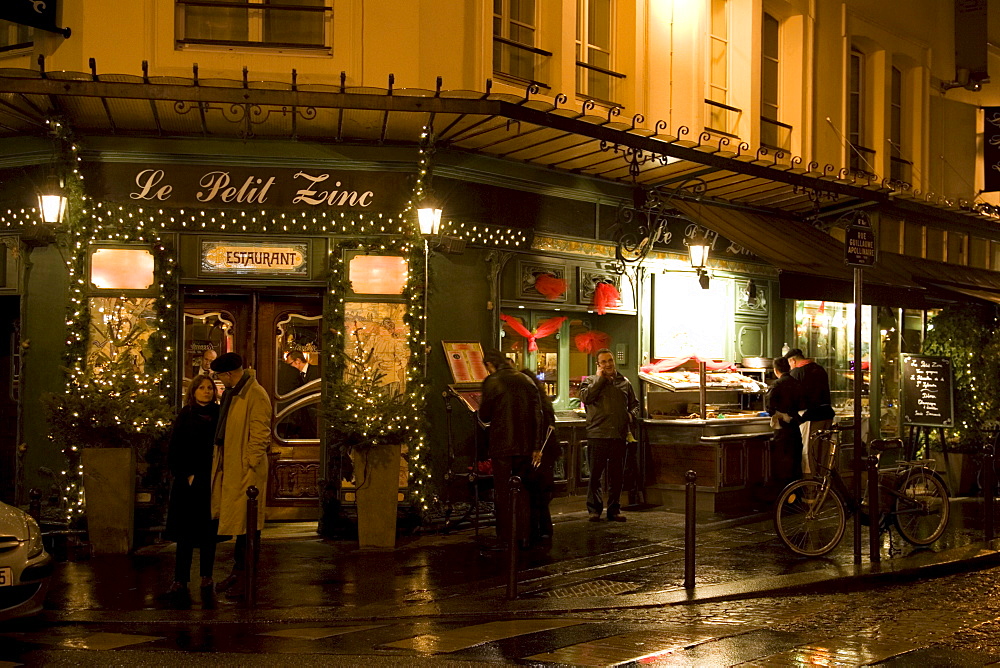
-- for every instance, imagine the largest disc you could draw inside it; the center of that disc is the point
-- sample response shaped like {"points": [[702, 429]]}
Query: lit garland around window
{"points": [[413, 422], [117, 398]]}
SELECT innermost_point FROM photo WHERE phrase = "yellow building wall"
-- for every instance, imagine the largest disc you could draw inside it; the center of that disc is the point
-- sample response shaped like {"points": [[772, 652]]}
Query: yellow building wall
{"points": [[660, 45]]}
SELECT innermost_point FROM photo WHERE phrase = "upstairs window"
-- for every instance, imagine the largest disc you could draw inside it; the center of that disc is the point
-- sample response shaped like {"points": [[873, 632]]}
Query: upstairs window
{"points": [[594, 29], [14, 36], [281, 24], [773, 133], [514, 33], [860, 158], [899, 166], [721, 117]]}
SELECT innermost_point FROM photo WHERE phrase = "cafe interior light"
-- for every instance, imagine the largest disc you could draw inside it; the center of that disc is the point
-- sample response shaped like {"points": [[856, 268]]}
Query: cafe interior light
{"points": [[122, 268], [429, 216], [52, 201], [378, 274]]}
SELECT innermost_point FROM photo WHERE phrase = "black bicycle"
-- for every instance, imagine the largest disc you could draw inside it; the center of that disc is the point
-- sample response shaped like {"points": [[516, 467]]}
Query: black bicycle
{"points": [[811, 514]]}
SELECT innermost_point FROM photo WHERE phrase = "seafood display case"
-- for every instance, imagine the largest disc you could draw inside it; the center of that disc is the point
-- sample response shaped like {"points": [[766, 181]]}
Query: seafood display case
{"points": [[709, 422]]}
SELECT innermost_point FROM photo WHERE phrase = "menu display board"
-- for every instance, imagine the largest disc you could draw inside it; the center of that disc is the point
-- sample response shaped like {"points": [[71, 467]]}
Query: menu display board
{"points": [[927, 391], [465, 359]]}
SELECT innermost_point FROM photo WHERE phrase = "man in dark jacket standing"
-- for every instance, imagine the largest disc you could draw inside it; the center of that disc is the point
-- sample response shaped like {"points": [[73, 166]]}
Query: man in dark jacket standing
{"points": [[817, 412], [612, 410], [784, 401], [510, 408]]}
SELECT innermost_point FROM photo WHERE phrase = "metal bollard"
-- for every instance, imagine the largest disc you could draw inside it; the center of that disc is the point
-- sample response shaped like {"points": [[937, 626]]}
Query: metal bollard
{"points": [[988, 482], [689, 521], [35, 504], [250, 558], [512, 546], [874, 518]]}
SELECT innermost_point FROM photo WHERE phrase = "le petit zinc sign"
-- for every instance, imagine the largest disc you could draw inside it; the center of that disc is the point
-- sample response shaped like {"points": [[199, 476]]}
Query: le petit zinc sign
{"points": [[253, 188], [244, 258]]}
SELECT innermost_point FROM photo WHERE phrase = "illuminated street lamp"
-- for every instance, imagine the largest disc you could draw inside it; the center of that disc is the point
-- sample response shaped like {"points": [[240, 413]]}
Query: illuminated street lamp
{"points": [[698, 247], [429, 216], [52, 201]]}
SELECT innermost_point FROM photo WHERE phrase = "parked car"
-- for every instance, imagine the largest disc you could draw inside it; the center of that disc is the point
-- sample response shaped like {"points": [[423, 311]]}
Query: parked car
{"points": [[25, 566]]}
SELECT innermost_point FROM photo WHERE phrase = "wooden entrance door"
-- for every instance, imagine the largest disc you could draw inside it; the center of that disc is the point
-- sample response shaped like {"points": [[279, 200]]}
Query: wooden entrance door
{"points": [[268, 330]]}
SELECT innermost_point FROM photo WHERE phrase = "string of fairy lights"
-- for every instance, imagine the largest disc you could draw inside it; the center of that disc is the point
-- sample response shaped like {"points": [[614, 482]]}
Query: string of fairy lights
{"points": [[88, 222], [132, 223]]}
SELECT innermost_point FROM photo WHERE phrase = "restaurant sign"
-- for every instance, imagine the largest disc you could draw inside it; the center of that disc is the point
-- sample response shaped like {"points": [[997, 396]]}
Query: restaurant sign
{"points": [[255, 259], [35, 13], [991, 149], [312, 189], [636, 239]]}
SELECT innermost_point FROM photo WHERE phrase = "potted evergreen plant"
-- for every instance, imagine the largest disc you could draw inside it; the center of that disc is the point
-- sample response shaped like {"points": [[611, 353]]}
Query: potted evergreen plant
{"points": [[371, 420], [968, 334], [105, 420]]}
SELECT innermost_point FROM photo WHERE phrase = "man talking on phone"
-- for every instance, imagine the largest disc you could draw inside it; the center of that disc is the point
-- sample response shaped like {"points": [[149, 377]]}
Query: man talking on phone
{"points": [[612, 411]]}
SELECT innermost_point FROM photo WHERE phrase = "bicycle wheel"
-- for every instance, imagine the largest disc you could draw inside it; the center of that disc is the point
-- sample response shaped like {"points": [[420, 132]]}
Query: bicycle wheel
{"points": [[921, 510], [809, 519]]}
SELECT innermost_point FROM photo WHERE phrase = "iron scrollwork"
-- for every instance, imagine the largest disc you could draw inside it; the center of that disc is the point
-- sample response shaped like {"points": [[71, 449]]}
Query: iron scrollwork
{"points": [[641, 224], [635, 157], [247, 115]]}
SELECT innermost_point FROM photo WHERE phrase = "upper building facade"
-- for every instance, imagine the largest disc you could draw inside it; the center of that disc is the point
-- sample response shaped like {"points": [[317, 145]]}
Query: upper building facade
{"points": [[847, 83], [873, 88]]}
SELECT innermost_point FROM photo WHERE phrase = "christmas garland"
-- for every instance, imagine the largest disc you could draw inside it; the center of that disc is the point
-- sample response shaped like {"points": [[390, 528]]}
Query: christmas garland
{"points": [[337, 402], [119, 401]]}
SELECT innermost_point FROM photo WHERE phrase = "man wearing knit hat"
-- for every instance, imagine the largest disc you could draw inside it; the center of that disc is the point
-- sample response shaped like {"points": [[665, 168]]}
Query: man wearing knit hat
{"points": [[242, 440]]}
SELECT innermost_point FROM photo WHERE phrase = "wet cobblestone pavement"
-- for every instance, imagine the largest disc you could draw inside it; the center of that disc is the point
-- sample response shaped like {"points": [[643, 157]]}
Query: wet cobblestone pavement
{"points": [[600, 595]]}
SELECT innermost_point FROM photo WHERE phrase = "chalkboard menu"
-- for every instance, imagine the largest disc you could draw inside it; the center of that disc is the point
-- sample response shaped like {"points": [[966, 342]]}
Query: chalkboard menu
{"points": [[927, 397]]}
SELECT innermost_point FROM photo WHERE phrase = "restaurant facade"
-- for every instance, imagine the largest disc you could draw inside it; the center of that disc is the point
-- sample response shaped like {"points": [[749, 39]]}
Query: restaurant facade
{"points": [[276, 217]]}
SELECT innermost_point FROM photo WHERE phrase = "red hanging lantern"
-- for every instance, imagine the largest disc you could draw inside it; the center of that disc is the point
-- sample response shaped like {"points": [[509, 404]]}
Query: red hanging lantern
{"points": [[549, 286], [592, 341], [606, 296]]}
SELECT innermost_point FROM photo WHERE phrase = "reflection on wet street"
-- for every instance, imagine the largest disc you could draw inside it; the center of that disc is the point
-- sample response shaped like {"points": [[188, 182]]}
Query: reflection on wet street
{"points": [[600, 594]]}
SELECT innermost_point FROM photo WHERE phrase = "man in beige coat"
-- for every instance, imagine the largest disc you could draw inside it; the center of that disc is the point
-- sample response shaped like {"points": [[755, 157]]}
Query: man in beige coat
{"points": [[241, 441]]}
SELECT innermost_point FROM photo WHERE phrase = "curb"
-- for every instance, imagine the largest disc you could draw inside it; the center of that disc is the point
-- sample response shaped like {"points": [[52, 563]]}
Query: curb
{"points": [[932, 564]]}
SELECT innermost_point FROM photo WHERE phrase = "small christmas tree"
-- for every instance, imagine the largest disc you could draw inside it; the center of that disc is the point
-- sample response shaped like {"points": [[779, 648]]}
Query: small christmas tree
{"points": [[113, 402], [113, 406], [365, 411]]}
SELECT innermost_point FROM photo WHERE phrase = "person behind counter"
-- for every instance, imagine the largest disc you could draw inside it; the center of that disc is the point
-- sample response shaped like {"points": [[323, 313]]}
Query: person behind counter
{"points": [[612, 411], [817, 412], [784, 401], [540, 480]]}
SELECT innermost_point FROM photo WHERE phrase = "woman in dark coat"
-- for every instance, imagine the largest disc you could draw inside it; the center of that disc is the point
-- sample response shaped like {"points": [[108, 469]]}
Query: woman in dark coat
{"points": [[189, 516], [540, 482]]}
